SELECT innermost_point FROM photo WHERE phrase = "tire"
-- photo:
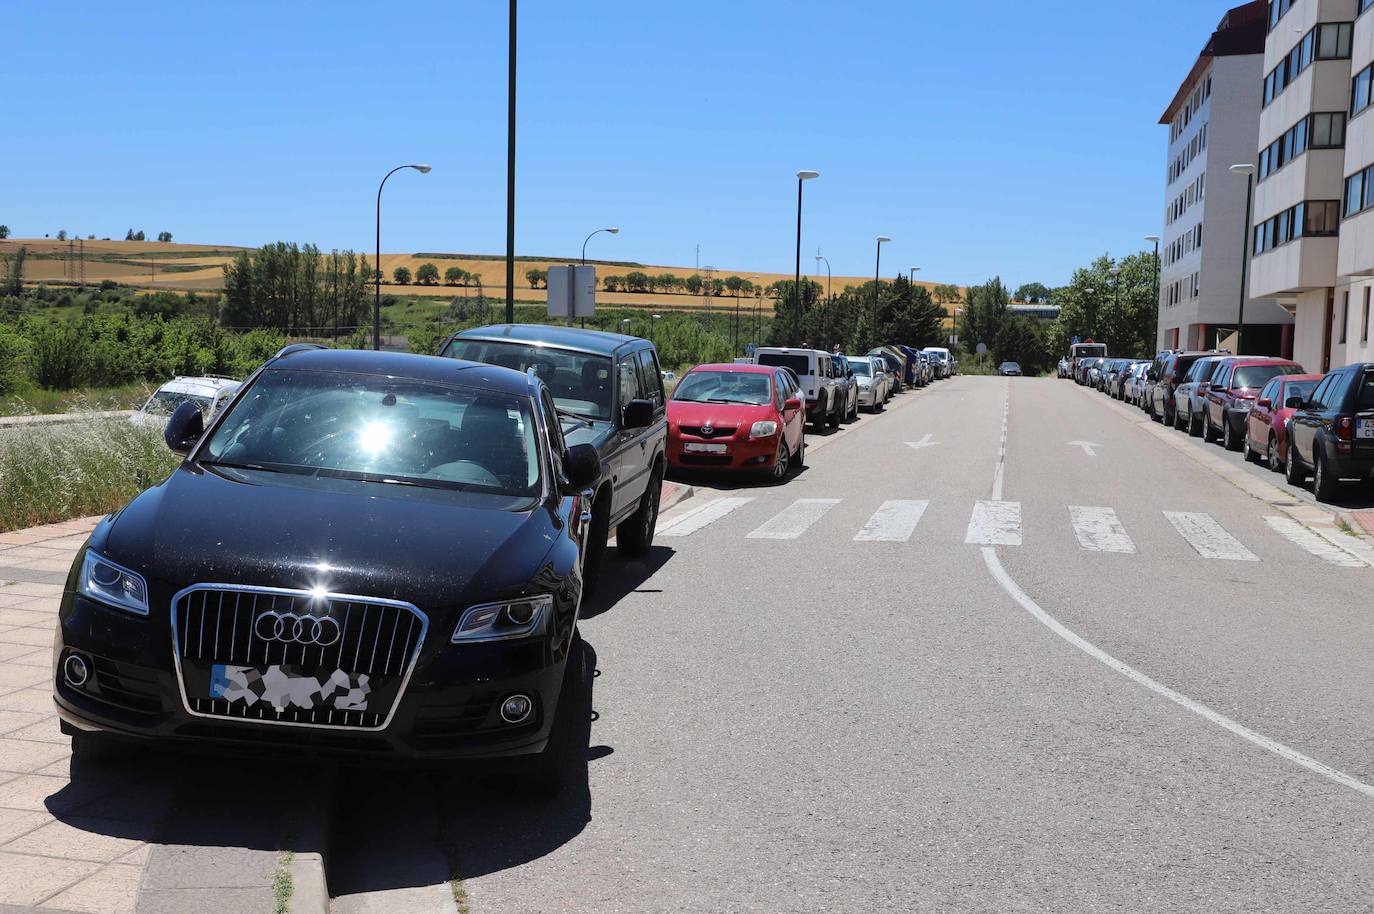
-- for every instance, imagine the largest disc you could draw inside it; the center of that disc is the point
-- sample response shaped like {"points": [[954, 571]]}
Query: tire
{"points": [[1271, 455], [1247, 453], [635, 535], [548, 773], [782, 463], [1324, 484], [1178, 420], [836, 414], [1207, 434], [879, 405], [818, 420], [597, 534], [1194, 428], [1292, 471], [854, 413], [1228, 433], [799, 459]]}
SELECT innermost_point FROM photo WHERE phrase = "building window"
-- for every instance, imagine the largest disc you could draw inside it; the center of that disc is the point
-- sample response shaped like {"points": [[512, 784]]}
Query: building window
{"points": [[1345, 316], [1327, 41], [1309, 219], [1359, 191], [1322, 130], [1278, 8], [1366, 4]]}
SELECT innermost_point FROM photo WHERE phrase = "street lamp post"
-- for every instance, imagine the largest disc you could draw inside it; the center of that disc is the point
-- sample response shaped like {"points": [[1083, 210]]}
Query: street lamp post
{"points": [[612, 231], [758, 308], [1116, 307], [1092, 311], [510, 166], [1249, 172], [877, 282], [802, 177], [377, 303], [1155, 284]]}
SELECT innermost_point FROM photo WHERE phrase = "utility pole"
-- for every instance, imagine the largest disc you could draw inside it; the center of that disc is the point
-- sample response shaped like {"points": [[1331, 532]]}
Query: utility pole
{"points": [[510, 171]]}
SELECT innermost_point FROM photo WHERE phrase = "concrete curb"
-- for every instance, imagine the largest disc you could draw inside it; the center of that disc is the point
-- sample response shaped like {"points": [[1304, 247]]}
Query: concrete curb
{"points": [[674, 494], [1322, 521], [309, 884], [309, 888]]}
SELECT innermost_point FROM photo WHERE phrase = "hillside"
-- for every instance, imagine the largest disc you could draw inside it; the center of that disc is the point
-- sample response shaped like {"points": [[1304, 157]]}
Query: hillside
{"points": [[199, 267]]}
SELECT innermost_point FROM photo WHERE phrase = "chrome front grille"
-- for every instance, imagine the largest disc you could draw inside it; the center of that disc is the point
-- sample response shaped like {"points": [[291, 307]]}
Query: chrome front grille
{"points": [[258, 632]]}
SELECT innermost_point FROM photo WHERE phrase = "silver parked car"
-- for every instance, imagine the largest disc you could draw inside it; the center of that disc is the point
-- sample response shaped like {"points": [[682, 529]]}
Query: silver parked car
{"points": [[873, 384]]}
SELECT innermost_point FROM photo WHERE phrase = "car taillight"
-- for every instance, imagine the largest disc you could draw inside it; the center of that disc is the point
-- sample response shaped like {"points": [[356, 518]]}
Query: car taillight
{"points": [[1345, 428]]}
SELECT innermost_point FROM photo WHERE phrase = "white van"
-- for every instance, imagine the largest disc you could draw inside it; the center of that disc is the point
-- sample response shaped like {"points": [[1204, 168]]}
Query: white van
{"points": [[816, 374], [941, 359]]}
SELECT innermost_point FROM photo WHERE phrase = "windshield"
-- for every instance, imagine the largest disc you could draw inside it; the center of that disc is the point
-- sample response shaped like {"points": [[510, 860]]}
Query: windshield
{"points": [[1089, 350], [862, 367], [1304, 389], [1260, 375], [799, 364], [165, 402], [580, 382], [381, 429], [724, 387]]}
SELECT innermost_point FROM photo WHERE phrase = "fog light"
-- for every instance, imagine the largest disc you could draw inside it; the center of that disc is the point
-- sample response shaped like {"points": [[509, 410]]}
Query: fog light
{"points": [[516, 708], [75, 670]]}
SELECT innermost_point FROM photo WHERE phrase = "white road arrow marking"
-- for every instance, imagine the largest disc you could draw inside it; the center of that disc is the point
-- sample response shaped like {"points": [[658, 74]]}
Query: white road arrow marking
{"points": [[1087, 447], [924, 442]]}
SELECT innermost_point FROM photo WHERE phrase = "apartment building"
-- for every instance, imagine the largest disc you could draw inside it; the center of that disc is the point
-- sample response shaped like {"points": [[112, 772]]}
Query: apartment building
{"points": [[1299, 223], [1213, 121]]}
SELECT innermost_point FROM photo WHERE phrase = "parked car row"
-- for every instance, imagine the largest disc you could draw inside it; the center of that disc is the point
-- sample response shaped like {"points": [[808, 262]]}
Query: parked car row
{"points": [[751, 415], [1303, 425]]}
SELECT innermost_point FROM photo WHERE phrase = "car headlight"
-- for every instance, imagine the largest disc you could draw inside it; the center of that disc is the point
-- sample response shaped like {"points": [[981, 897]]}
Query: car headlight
{"points": [[503, 621], [765, 428], [114, 585]]}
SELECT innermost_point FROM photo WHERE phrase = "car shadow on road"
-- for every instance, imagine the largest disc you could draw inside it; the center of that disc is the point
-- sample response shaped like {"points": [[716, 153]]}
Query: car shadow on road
{"points": [[621, 577]]}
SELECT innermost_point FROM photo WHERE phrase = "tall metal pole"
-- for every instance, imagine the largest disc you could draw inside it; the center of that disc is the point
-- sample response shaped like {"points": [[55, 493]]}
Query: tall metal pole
{"points": [[377, 301], [1244, 262], [510, 172], [796, 283], [828, 277], [877, 285]]}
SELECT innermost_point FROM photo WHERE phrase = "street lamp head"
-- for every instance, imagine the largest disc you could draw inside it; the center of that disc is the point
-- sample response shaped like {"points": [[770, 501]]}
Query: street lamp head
{"points": [[807, 175], [1114, 270], [422, 169], [1153, 239], [1090, 291], [1243, 169], [883, 239], [614, 230]]}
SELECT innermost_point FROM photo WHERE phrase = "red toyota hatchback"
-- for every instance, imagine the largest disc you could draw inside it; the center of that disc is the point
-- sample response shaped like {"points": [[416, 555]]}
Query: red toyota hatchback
{"points": [[1266, 428], [737, 417]]}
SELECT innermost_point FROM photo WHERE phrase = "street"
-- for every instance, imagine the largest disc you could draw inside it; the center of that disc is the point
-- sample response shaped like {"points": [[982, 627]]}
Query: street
{"points": [[848, 693]]}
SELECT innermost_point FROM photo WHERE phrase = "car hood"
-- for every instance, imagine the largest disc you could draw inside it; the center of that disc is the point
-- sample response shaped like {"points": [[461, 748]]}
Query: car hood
{"points": [[593, 433], [433, 548], [719, 415]]}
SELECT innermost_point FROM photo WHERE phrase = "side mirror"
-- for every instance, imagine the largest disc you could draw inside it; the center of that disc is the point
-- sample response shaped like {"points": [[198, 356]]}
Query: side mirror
{"points": [[792, 404], [184, 429], [1265, 403], [1294, 403], [1152, 375], [637, 414], [581, 467]]}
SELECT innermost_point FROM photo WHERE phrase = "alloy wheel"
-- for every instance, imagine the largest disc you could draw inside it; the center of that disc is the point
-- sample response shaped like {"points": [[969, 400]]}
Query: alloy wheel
{"points": [[1272, 454], [782, 463]]}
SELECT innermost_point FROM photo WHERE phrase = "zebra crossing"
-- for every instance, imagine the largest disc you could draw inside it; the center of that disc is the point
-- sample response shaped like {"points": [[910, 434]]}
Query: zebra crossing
{"points": [[1096, 529]]}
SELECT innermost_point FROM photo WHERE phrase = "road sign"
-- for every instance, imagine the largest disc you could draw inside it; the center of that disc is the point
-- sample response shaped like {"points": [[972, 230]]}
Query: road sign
{"points": [[982, 349], [572, 292], [750, 349], [1076, 340]]}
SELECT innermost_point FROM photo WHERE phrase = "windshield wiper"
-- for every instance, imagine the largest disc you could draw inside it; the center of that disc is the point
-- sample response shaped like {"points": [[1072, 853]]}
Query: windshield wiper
{"points": [[360, 476], [240, 466], [729, 400], [574, 417]]}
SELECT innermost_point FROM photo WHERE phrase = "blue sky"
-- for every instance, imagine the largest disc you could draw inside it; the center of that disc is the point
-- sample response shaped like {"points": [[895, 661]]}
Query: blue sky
{"points": [[1004, 137]]}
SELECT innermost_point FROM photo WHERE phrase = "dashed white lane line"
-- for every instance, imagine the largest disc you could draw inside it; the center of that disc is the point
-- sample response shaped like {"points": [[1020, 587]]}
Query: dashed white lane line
{"points": [[894, 522], [794, 520], [1013, 590], [702, 517], [1326, 551], [1208, 537], [1100, 530], [995, 523]]}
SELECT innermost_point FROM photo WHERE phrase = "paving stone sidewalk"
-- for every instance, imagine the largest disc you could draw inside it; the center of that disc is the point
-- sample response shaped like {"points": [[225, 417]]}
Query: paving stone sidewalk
{"points": [[63, 846]]}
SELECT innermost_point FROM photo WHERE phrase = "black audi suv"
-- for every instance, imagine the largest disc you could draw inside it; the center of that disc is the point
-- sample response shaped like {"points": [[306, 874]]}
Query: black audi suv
{"points": [[374, 553]]}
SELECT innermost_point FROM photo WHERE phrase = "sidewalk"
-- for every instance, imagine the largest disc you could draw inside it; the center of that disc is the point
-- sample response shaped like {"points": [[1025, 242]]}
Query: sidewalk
{"points": [[46, 861]]}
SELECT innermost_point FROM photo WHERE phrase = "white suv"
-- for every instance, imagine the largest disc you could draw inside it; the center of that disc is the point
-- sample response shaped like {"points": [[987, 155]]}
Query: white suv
{"points": [[817, 377], [210, 394]]}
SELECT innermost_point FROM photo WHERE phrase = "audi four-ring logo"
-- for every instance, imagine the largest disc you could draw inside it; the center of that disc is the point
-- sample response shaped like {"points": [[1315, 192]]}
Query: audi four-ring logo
{"points": [[290, 628]]}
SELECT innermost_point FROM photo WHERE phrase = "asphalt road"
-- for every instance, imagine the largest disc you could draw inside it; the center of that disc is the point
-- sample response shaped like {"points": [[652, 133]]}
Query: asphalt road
{"points": [[790, 719]]}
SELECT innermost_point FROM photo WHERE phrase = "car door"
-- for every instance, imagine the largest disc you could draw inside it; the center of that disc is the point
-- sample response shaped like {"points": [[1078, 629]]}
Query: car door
{"points": [[1307, 420], [1258, 421], [1214, 400], [782, 393], [631, 460]]}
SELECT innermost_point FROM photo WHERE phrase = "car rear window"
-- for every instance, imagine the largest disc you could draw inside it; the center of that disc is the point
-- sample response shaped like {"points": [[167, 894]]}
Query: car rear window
{"points": [[799, 364], [1183, 363], [1260, 375], [1299, 389], [1364, 398]]}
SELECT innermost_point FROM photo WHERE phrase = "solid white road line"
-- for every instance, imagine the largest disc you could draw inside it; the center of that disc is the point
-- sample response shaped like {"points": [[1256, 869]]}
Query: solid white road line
{"points": [[794, 520], [698, 518], [995, 523], [1208, 537], [1326, 551], [1100, 530], [894, 522], [1259, 739]]}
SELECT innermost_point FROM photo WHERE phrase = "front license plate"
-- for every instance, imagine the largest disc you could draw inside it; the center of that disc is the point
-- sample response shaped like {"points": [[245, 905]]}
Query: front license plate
{"points": [[284, 687], [693, 448], [1364, 428]]}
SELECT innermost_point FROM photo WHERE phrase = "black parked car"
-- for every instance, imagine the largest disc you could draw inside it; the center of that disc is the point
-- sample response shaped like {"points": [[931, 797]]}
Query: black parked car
{"points": [[375, 553], [1332, 432], [609, 392], [1008, 369]]}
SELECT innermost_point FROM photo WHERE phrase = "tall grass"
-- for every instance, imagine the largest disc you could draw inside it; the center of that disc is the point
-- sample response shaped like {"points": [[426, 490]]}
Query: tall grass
{"points": [[55, 473], [31, 400]]}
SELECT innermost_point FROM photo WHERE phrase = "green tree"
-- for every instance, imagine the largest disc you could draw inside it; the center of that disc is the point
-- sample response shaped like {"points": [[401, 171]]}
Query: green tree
{"points": [[427, 274], [1032, 292], [668, 282], [13, 283], [61, 234], [138, 235], [401, 275], [1119, 310], [637, 281], [613, 283], [454, 276], [164, 236], [537, 278], [129, 235], [5, 232], [693, 284]]}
